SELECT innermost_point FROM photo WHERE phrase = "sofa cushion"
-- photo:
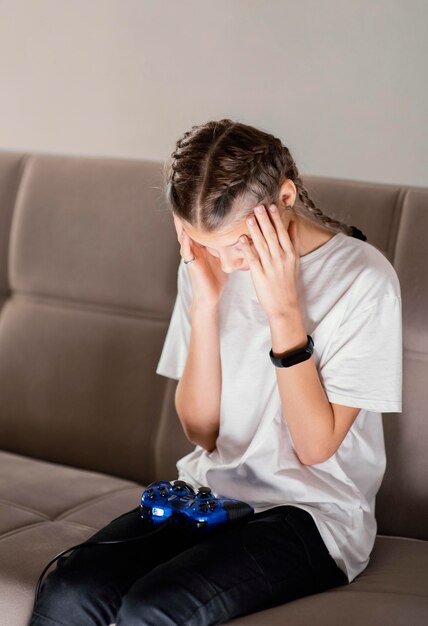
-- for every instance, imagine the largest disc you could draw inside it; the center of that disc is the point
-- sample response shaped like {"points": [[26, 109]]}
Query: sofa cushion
{"points": [[44, 509]]}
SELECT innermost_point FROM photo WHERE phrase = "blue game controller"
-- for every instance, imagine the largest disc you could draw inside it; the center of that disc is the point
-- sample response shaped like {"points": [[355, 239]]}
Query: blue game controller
{"points": [[201, 511]]}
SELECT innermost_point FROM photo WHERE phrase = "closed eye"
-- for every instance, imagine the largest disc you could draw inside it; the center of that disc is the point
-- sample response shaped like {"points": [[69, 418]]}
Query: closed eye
{"points": [[249, 239]]}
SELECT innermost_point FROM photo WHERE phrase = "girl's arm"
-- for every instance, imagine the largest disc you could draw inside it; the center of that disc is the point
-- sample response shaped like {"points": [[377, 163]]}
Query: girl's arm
{"points": [[197, 396], [317, 427]]}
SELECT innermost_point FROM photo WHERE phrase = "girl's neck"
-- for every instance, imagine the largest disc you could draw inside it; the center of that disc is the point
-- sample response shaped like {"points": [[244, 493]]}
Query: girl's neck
{"points": [[311, 235]]}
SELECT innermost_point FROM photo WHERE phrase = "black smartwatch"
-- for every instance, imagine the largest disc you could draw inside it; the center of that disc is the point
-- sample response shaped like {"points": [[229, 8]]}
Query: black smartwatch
{"points": [[296, 356]]}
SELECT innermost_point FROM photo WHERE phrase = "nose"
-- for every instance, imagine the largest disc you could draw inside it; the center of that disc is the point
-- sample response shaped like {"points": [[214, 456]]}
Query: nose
{"points": [[230, 262]]}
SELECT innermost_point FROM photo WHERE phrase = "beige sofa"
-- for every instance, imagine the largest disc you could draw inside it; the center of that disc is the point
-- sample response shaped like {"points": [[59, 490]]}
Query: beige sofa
{"points": [[88, 268]]}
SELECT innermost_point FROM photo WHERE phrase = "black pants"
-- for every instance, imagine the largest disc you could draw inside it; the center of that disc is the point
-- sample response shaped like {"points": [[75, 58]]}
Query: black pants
{"points": [[173, 579]]}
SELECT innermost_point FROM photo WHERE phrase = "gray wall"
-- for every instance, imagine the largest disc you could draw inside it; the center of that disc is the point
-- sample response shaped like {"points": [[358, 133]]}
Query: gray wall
{"points": [[343, 83]]}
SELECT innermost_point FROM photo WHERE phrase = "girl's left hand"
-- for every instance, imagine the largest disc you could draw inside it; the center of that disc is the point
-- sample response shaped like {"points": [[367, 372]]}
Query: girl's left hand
{"points": [[275, 262]]}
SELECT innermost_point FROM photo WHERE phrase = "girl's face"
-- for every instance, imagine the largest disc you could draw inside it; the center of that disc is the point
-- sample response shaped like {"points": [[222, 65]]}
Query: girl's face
{"points": [[224, 245]]}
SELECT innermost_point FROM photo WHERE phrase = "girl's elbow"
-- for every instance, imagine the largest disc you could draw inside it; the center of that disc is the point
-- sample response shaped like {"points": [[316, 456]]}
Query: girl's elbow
{"points": [[315, 458], [206, 441]]}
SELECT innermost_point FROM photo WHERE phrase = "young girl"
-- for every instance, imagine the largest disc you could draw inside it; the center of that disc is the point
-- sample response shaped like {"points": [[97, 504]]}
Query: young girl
{"points": [[286, 342]]}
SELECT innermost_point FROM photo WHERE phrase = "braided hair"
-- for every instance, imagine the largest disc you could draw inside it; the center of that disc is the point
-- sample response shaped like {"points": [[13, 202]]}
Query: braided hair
{"points": [[223, 164]]}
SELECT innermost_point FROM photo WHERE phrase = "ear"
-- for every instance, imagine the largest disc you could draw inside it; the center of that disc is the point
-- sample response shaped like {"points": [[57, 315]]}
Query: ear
{"points": [[287, 192]]}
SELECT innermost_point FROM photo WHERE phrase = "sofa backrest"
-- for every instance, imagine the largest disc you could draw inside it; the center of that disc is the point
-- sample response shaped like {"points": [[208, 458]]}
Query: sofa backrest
{"points": [[88, 271], [88, 281]]}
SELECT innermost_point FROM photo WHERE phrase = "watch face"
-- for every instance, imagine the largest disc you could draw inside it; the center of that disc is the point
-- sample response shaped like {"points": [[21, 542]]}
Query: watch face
{"points": [[297, 358]]}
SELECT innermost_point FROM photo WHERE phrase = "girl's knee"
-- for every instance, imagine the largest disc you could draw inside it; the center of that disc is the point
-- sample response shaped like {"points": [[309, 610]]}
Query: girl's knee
{"points": [[161, 604], [71, 597]]}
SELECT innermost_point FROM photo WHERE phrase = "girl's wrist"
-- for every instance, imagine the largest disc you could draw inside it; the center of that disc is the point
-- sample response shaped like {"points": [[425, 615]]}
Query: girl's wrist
{"points": [[203, 308], [287, 332]]}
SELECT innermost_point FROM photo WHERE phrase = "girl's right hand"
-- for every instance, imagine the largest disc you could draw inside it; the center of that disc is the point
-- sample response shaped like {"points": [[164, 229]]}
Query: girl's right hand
{"points": [[208, 279]]}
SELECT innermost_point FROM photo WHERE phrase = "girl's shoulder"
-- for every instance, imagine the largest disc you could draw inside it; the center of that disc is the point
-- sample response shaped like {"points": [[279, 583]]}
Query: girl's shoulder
{"points": [[366, 274], [375, 269]]}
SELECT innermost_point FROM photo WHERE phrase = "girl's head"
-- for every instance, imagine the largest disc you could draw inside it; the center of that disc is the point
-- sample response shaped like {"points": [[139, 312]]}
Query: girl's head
{"points": [[220, 171]]}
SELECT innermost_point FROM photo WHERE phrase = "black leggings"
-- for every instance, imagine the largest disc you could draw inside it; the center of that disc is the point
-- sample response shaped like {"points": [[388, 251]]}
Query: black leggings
{"points": [[173, 579]]}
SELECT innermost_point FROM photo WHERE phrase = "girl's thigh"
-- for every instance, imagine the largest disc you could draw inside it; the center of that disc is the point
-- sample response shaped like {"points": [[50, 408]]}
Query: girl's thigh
{"points": [[236, 571], [87, 586]]}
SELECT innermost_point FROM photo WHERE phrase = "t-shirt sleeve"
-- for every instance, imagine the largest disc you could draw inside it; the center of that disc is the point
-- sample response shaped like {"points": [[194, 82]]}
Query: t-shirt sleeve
{"points": [[176, 345], [363, 368]]}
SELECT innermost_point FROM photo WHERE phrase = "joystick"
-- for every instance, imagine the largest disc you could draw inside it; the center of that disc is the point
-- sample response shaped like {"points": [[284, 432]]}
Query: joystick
{"points": [[203, 511]]}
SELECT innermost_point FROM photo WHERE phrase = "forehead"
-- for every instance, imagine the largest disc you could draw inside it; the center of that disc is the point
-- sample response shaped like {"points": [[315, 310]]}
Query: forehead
{"points": [[229, 235], [224, 238]]}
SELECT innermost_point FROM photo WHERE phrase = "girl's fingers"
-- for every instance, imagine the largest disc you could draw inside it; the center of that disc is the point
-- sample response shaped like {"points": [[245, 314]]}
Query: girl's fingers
{"points": [[186, 248], [281, 231], [178, 227], [183, 239], [270, 233], [250, 254], [267, 231], [253, 223], [184, 242]]}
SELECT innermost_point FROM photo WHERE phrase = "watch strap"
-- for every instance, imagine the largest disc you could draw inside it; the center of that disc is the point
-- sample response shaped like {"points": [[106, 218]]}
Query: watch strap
{"points": [[294, 357]]}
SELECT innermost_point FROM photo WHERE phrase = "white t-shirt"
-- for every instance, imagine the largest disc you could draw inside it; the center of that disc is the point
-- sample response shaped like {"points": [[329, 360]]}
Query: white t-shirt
{"points": [[350, 299]]}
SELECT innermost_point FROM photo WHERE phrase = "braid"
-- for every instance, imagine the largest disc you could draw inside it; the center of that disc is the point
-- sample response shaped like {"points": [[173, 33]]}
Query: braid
{"points": [[325, 220], [316, 214]]}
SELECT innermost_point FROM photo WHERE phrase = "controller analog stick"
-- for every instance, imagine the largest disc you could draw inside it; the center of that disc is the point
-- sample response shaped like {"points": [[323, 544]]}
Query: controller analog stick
{"points": [[182, 486], [204, 492], [179, 485]]}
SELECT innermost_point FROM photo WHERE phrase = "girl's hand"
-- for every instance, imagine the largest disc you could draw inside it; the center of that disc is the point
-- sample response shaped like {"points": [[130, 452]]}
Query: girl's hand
{"points": [[208, 279], [274, 261]]}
